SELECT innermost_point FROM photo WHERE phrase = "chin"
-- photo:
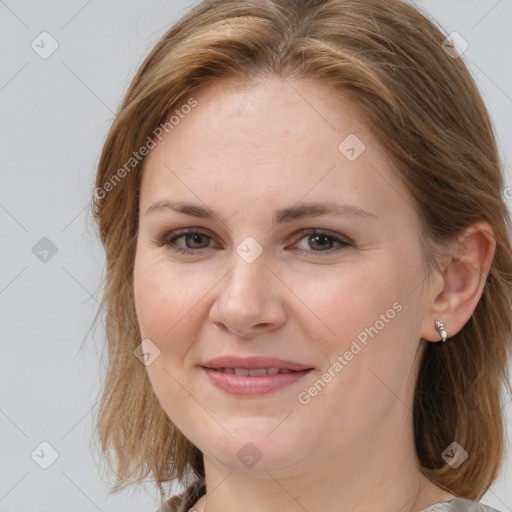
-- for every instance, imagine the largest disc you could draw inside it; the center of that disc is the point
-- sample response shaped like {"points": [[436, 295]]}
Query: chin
{"points": [[253, 450]]}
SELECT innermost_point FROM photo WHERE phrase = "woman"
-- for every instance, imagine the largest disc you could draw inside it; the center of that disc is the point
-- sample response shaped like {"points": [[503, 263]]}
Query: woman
{"points": [[309, 260]]}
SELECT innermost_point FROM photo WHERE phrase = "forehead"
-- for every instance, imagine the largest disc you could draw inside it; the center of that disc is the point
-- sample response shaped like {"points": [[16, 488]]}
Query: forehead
{"points": [[275, 139]]}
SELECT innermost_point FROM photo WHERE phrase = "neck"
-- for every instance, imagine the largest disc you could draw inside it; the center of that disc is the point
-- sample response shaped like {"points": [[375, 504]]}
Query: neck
{"points": [[377, 471]]}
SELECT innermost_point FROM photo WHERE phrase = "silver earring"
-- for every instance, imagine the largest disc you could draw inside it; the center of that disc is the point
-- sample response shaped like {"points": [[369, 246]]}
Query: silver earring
{"points": [[441, 329]]}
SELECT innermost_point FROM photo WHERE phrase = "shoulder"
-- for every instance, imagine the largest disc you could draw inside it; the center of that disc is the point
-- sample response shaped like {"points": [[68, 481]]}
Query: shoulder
{"points": [[460, 505], [182, 502]]}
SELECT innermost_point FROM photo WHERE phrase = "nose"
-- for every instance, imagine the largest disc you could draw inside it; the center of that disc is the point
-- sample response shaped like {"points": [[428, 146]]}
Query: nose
{"points": [[250, 300]]}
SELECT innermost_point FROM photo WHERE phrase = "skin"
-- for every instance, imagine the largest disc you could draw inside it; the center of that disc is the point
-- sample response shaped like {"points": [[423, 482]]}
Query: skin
{"points": [[245, 151]]}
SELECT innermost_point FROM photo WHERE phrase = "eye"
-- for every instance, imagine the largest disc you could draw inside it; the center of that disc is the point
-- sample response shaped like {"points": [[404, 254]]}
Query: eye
{"points": [[192, 238], [196, 240], [323, 240]]}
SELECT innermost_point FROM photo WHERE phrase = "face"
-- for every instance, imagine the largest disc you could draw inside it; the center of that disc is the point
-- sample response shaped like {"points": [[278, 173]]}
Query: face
{"points": [[340, 293]]}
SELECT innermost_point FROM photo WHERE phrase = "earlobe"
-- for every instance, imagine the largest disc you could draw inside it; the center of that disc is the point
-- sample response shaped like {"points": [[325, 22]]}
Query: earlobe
{"points": [[463, 281]]}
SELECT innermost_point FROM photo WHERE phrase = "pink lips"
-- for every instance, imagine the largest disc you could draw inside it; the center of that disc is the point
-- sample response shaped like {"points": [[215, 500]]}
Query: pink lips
{"points": [[253, 385]]}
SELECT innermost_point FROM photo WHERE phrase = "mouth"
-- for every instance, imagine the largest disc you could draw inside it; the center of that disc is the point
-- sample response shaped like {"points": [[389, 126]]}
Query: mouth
{"points": [[253, 382], [255, 372], [238, 365], [253, 376]]}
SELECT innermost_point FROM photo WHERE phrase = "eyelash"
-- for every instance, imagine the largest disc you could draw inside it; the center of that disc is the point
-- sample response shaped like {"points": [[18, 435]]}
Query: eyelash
{"points": [[175, 235]]}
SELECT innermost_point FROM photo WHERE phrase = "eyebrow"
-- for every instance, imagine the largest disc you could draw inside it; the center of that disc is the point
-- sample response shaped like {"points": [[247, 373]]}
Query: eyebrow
{"points": [[280, 216]]}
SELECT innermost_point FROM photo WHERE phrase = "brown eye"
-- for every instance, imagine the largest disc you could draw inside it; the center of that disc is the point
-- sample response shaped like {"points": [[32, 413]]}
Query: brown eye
{"points": [[316, 240], [194, 241], [321, 241]]}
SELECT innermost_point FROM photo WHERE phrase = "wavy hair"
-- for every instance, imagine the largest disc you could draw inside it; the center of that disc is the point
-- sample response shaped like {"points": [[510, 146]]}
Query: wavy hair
{"points": [[424, 106]]}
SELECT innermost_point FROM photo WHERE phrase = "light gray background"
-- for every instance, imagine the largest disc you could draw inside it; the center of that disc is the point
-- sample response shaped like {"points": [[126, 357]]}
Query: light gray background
{"points": [[55, 114]]}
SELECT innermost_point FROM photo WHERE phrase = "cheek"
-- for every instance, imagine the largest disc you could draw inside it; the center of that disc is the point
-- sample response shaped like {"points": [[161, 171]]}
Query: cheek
{"points": [[343, 304], [164, 298], [369, 319], [165, 313], [147, 296]]}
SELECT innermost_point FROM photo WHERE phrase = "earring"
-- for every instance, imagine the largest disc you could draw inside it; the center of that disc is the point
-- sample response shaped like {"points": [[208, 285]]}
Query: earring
{"points": [[441, 329]]}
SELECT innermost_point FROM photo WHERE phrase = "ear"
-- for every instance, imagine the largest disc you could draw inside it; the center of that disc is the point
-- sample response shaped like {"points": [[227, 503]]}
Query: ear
{"points": [[459, 286]]}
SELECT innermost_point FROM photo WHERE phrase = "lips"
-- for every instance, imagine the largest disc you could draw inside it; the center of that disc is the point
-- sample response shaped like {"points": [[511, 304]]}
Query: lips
{"points": [[253, 376], [254, 372], [254, 365]]}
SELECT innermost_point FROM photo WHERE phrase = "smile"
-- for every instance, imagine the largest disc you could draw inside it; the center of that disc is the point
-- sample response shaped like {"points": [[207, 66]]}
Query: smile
{"points": [[252, 382], [253, 371]]}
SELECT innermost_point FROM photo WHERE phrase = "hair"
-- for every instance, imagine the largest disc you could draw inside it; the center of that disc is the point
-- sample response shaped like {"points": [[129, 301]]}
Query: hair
{"points": [[423, 105]]}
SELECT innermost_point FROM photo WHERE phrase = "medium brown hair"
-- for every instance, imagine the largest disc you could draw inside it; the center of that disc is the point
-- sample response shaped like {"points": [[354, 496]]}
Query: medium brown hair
{"points": [[425, 108]]}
